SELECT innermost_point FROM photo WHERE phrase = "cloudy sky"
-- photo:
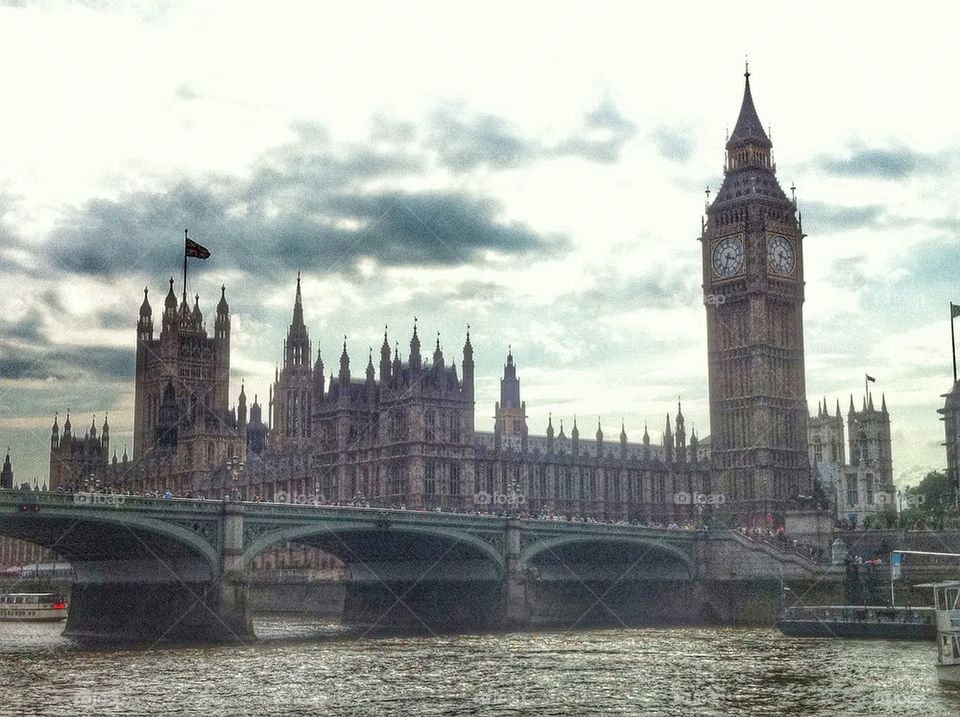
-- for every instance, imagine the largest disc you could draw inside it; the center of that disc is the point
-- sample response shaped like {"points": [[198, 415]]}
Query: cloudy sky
{"points": [[536, 173]]}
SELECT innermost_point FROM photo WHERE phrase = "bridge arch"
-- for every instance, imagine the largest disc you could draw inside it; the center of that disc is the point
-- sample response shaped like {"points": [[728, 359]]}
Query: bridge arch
{"points": [[83, 536], [340, 539], [649, 545]]}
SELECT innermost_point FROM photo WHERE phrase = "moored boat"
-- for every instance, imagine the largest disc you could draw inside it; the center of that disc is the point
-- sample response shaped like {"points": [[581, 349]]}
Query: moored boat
{"points": [[947, 603], [876, 621], [33, 607]]}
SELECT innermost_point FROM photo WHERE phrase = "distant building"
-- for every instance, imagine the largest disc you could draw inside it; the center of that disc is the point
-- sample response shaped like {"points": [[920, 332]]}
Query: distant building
{"points": [[862, 486], [950, 415]]}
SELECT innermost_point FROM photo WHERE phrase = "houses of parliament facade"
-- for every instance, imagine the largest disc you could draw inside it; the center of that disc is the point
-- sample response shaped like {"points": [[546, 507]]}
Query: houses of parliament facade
{"points": [[398, 429]]}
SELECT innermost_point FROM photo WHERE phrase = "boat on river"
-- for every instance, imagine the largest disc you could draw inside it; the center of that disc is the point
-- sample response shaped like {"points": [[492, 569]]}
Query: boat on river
{"points": [[947, 603], [32, 607], [866, 621]]}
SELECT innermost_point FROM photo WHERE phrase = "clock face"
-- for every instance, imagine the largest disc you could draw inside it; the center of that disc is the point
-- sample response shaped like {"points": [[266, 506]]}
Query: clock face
{"points": [[728, 257], [780, 257]]}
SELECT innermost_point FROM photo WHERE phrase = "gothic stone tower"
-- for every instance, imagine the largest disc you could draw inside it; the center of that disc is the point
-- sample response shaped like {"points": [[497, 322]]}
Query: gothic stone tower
{"points": [[753, 292], [293, 390], [195, 365], [510, 413]]}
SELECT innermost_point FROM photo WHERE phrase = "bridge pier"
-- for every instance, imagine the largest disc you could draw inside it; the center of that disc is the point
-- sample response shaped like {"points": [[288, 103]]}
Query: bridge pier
{"points": [[516, 608]]}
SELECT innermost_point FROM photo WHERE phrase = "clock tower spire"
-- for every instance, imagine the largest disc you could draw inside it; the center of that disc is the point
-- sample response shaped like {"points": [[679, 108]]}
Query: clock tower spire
{"points": [[751, 248]]}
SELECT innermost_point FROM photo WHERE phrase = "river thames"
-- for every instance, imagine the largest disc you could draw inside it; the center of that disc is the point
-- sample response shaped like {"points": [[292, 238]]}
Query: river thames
{"points": [[297, 668]]}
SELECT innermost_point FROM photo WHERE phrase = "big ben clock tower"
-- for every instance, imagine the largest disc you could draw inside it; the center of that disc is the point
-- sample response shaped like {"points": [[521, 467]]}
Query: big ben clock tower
{"points": [[753, 293]]}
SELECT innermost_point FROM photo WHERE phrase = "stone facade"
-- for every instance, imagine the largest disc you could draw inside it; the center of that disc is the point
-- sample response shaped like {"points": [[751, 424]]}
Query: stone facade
{"points": [[862, 486]]}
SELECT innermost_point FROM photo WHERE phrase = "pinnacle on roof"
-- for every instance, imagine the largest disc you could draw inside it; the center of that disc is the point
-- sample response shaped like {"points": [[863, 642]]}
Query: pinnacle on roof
{"points": [[145, 309], [599, 431], [171, 301], [222, 306], [623, 431], [748, 129]]}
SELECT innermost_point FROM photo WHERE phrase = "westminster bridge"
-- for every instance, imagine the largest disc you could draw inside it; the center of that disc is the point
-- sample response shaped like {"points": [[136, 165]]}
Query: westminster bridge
{"points": [[179, 569]]}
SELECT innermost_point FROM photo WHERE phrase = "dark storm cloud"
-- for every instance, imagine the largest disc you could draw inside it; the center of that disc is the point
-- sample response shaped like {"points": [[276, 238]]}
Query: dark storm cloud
{"points": [[673, 143], [836, 217], [465, 141], [314, 205], [43, 361], [329, 234], [897, 162]]}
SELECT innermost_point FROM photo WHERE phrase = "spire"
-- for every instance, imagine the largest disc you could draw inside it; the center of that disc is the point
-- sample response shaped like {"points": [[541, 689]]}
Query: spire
{"points": [[599, 431], [197, 316], [870, 401], [437, 353], [145, 309], [575, 432], [93, 427], [667, 431], [623, 432], [852, 409], [883, 403], [344, 364], [56, 426], [171, 301], [66, 424], [468, 346], [222, 306], [748, 129], [298, 306], [550, 425], [370, 369], [646, 435], [415, 347], [106, 425]]}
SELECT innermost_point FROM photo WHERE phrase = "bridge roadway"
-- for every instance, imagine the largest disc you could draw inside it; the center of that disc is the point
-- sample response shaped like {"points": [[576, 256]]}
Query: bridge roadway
{"points": [[178, 569]]}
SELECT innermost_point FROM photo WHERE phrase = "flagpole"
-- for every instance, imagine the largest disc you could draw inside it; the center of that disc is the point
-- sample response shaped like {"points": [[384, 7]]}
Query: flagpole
{"points": [[184, 266], [953, 344]]}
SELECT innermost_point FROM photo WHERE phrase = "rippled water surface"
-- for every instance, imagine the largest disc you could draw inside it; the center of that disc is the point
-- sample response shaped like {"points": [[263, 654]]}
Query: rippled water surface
{"points": [[297, 668]]}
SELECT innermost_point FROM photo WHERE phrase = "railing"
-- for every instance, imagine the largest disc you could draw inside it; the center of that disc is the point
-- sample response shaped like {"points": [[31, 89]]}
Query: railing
{"points": [[259, 508]]}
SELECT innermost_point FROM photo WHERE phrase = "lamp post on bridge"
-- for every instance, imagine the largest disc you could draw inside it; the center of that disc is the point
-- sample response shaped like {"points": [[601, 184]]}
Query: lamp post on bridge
{"points": [[235, 467]]}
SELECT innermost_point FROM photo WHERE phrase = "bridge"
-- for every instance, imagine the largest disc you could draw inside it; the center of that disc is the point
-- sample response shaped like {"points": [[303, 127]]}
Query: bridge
{"points": [[179, 569]]}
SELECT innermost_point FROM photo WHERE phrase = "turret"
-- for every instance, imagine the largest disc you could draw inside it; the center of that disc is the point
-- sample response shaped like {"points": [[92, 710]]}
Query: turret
{"points": [[550, 433], [54, 434], [145, 323], [397, 365], [646, 443], [694, 446], [575, 437], [6, 474], [242, 408], [681, 437], [623, 440], [385, 360], [599, 433], [318, 379], [297, 349], [170, 320], [105, 435], [221, 326], [67, 431], [438, 354], [668, 442], [344, 368], [415, 360], [371, 372], [468, 371]]}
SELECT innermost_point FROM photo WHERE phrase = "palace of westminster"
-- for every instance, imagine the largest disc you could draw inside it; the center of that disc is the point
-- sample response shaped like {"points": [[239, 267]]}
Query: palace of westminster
{"points": [[400, 430]]}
